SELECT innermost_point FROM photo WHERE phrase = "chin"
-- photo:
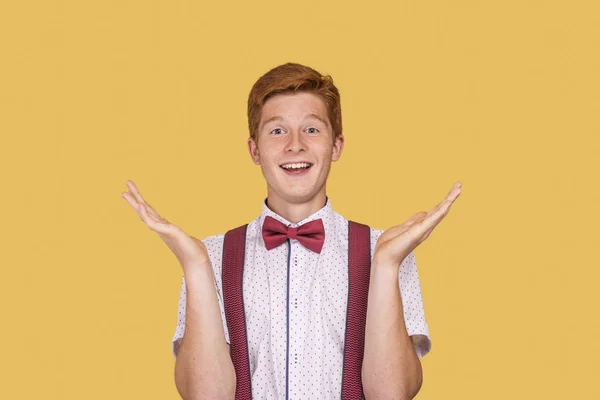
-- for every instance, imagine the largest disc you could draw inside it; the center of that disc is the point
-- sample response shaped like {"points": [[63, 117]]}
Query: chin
{"points": [[303, 195], [299, 199], [294, 196]]}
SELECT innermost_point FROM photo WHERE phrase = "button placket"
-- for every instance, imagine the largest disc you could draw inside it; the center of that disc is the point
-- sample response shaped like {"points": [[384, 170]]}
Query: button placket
{"points": [[292, 360], [295, 301]]}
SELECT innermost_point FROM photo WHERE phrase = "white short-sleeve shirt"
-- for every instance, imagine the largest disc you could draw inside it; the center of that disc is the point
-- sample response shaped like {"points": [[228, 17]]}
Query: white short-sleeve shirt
{"points": [[295, 307]]}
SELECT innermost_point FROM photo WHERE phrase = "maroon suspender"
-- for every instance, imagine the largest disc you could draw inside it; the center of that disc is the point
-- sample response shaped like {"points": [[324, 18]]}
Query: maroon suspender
{"points": [[234, 247], [359, 272]]}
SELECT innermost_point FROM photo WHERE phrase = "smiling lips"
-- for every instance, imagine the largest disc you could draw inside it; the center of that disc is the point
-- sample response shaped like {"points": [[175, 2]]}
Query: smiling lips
{"points": [[296, 165], [296, 168]]}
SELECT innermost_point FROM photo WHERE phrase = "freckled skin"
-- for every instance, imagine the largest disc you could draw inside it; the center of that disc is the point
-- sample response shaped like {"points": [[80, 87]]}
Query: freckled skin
{"points": [[295, 136]]}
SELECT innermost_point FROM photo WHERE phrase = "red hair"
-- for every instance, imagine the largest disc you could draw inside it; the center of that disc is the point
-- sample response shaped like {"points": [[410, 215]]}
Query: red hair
{"points": [[290, 78]]}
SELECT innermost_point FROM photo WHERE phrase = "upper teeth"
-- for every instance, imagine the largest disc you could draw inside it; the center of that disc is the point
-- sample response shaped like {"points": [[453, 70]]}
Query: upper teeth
{"points": [[296, 165]]}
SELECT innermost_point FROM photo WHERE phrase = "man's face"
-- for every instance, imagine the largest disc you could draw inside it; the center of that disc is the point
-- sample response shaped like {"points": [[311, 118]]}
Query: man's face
{"points": [[295, 129]]}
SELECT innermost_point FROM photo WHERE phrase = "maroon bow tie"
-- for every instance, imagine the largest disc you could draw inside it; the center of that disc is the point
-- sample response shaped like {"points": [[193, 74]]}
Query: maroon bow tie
{"points": [[310, 235]]}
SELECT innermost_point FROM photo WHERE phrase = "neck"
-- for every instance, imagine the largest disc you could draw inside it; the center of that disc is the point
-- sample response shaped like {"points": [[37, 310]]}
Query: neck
{"points": [[296, 212]]}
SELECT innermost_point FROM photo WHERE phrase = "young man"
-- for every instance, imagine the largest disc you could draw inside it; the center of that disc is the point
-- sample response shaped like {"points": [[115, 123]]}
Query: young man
{"points": [[295, 288]]}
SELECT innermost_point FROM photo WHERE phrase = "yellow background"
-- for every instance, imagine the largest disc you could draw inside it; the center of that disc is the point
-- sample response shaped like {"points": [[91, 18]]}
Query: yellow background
{"points": [[503, 96]]}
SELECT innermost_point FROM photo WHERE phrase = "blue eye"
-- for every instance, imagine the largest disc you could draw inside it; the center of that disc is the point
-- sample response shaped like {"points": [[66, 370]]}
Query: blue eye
{"points": [[276, 129], [315, 130]]}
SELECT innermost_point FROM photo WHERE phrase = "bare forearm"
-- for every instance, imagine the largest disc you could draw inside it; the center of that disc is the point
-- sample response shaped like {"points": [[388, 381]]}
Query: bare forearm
{"points": [[203, 368], [391, 368]]}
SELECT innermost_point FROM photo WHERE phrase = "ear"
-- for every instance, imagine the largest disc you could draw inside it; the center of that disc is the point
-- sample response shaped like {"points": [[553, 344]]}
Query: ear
{"points": [[253, 149], [338, 145]]}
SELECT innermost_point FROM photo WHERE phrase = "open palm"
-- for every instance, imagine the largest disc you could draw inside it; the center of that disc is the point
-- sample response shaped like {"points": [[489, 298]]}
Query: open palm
{"points": [[396, 243], [188, 249]]}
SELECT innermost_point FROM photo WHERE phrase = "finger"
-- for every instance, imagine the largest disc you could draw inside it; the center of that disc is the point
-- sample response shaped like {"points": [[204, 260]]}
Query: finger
{"points": [[452, 195], [426, 235], [409, 222], [158, 224], [137, 206], [433, 219], [436, 223], [455, 191], [148, 219], [151, 211], [417, 216], [415, 229], [457, 185], [138, 196], [414, 220], [134, 190], [399, 229], [129, 197]]}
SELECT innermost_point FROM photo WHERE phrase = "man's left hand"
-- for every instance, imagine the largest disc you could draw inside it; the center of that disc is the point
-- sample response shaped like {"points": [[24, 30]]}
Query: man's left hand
{"points": [[396, 243]]}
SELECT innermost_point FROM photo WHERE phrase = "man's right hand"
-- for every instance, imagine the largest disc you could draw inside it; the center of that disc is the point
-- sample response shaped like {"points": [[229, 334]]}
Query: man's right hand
{"points": [[189, 250]]}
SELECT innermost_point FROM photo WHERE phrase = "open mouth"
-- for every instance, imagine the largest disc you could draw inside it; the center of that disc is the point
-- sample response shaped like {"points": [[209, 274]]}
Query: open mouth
{"points": [[296, 168]]}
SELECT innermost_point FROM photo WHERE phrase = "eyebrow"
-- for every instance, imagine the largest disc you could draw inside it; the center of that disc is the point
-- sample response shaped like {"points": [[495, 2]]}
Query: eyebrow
{"points": [[307, 116], [315, 116]]}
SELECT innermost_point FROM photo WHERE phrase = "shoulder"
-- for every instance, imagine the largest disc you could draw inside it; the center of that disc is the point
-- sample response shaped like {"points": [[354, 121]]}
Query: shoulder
{"points": [[342, 227], [375, 233], [214, 243], [214, 246], [214, 240], [342, 222], [217, 240]]}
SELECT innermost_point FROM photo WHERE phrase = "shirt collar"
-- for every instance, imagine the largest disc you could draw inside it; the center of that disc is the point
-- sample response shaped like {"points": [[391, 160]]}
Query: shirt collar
{"points": [[326, 213]]}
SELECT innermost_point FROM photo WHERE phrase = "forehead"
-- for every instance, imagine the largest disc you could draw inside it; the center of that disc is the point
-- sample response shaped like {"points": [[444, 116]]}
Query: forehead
{"points": [[294, 106]]}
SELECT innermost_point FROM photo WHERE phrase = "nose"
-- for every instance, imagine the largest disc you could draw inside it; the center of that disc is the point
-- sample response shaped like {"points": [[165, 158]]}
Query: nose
{"points": [[295, 142]]}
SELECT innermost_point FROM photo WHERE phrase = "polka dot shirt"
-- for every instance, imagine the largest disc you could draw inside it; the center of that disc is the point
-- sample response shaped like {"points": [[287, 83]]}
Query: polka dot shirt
{"points": [[296, 313]]}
